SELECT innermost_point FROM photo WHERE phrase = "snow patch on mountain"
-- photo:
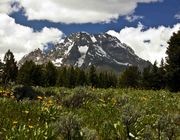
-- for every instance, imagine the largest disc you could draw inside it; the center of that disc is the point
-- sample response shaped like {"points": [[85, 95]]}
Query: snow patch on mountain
{"points": [[69, 48], [83, 49], [80, 61], [58, 62], [120, 63], [101, 52], [93, 39], [37, 58]]}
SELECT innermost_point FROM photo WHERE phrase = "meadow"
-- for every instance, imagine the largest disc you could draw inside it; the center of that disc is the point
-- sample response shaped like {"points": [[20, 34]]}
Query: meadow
{"points": [[85, 113]]}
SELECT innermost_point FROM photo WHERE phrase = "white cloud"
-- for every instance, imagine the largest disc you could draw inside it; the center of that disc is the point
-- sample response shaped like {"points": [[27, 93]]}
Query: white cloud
{"points": [[79, 11], [21, 39], [6, 6], [132, 18], [177, 16], [149, 44]]}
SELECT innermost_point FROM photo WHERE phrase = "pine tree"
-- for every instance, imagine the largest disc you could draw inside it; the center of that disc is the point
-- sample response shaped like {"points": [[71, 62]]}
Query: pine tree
{"points": [[25, 74], [10, 68], [155, 77], [1, 70], [173, 63], [101, 80], [162, 74], [130, 77], [50, 74], [38, 75], [93, 79], [62, 77], [146, 78], [81, 77], [71, 77]]}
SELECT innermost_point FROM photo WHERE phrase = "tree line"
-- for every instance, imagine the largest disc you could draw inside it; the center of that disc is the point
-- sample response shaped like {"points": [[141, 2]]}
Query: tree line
{"points": [[167, 75]]}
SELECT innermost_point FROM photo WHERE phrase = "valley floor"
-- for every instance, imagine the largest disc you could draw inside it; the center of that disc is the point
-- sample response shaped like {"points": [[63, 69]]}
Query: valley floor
{"points": [[90, 114]]}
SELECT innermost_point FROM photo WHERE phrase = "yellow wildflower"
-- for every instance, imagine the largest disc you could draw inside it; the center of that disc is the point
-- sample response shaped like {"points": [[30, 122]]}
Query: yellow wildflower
{"points": [[26, 111], [45, 109], [113, 101], [144, 98], [15, 122], [30, 126], [39, 97], [102, 100], [50, 101]]}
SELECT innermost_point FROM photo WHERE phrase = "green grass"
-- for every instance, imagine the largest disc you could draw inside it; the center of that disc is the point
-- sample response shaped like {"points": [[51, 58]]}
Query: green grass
{"points": [[91, 114]]}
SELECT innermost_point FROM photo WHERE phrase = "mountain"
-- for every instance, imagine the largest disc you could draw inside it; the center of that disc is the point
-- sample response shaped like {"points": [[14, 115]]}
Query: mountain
{"points": [[82, 49]]}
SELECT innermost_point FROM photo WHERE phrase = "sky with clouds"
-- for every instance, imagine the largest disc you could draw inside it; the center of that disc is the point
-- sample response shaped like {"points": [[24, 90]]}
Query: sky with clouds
{"points": [[145, 25]]}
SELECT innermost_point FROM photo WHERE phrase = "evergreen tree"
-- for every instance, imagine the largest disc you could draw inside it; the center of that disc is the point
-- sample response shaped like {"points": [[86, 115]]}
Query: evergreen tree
{"points": [[113, 80], [71, 77], [155, 77], [146, 78], [81, 77], [1, 70], [26, 72], [162, 74], [102, 80], [38, 75], [50, 74], [92, 79], [173, 63], [130, 77], [10, 68], [62, 77]]}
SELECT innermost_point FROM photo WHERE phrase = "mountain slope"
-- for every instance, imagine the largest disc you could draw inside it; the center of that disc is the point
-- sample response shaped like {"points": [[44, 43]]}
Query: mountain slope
{"points": [[82, 49]]}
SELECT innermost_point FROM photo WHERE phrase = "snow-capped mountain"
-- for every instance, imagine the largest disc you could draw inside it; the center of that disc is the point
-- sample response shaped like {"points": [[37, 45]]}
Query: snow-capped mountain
{"points": [[82, 49]]}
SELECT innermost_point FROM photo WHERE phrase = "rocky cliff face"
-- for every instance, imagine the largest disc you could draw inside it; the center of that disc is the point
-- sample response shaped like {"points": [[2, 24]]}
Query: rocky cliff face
{"points": [[82, 49]]}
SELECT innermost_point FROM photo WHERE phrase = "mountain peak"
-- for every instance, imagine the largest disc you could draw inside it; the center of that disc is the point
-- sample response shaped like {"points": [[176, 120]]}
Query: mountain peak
{"points": [[83, 49]]}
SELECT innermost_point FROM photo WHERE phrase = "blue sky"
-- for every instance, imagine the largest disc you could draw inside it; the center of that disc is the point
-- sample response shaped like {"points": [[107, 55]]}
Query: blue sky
{"points": [[26, 25]]}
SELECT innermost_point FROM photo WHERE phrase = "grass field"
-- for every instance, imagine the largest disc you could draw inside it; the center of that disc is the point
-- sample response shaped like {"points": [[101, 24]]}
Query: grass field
{"points": [[91, 114]]}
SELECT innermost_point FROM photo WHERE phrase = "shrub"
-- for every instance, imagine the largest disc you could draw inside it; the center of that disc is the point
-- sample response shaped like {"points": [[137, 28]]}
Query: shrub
{"points": [[68, 127], [21, 92], [78, 98]]}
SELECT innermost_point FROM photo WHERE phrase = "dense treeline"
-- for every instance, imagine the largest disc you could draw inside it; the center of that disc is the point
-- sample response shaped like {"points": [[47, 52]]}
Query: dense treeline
{"points": [[49, 75], [152, 77]]}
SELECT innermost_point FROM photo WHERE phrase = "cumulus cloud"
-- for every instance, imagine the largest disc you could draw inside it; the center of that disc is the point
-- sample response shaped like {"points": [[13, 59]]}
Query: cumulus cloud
{"points": [[79, 11], [9, 6], [132, 18], [21, 39], [149, 44]]}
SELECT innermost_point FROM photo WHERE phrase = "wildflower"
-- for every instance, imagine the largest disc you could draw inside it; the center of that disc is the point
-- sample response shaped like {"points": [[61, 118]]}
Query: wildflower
{"points": [[113, 101], [59, 107], [30, 126], [12, 96], [15, 122], [26, 111], [144, 98], [50, 101], [45, 109], [101, 100], [14, 126], [39, 97]]}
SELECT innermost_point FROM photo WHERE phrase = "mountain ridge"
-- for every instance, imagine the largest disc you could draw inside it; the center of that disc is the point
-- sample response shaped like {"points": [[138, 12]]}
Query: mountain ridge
{"points": [[82, 49]]}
